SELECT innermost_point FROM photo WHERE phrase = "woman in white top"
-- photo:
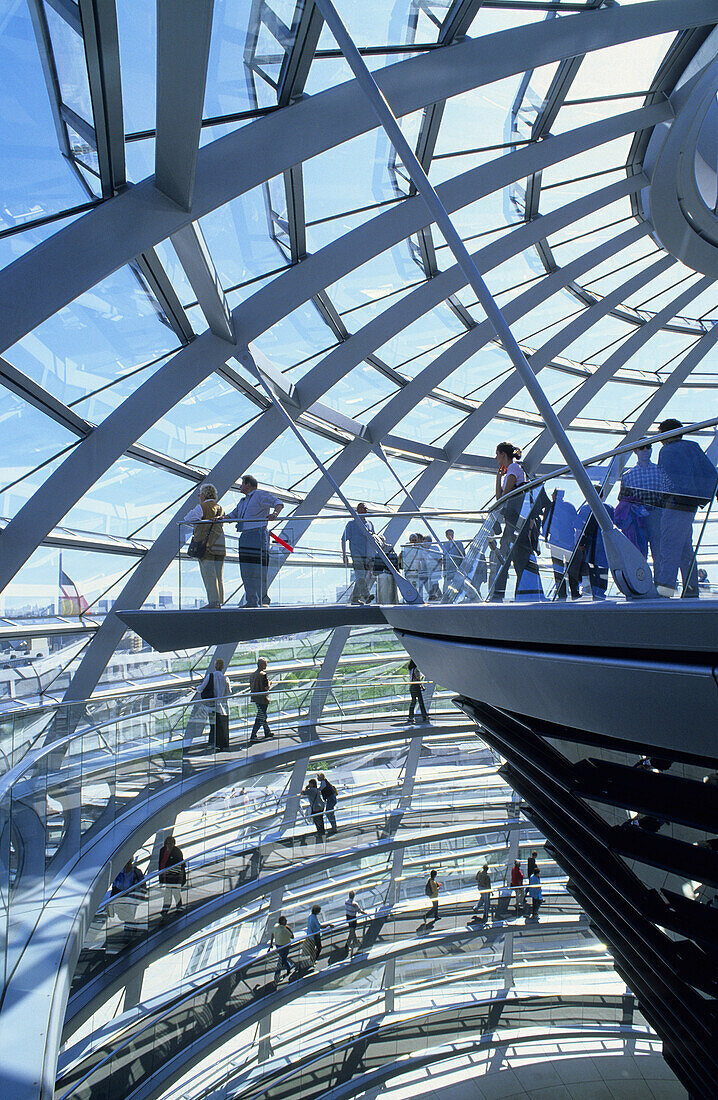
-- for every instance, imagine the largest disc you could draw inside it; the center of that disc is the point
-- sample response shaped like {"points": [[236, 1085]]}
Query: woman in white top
{"points": [[214, 692], [515, 536], [211, 564]]}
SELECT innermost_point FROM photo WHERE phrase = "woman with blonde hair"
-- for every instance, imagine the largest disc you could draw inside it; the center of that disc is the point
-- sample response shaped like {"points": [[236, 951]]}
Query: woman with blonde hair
{"points": [[207, 543]]}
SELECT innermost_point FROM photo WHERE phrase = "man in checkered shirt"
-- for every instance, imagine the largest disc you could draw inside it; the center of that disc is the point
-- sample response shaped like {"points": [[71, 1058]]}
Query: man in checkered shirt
{"points": [[646, 483]]}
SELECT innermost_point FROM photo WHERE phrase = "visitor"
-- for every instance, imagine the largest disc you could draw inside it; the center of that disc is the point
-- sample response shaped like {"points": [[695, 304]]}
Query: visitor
{"points": [[385, 580], [483, 881], [412, 560], [330, 795], [214, 692], [352, 909], [432, 891], [316, 806], [559, 531], [259, 689], [431, 569], [252, 515], [314, 929], [494, 563], [515, 545], [357, 537], [690, 484], [282, 936], [532, 864], [517, 884], [643, 486], [454, 554], [535, 892], [416, 690], [207, 543], [124, 888], [173, 875]]}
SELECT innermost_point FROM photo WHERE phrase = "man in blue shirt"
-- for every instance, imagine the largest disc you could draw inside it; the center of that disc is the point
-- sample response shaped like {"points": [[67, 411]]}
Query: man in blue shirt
{"points": [[362, 549], [645, 483], [314, 929], [252, 514], [690, 483]]}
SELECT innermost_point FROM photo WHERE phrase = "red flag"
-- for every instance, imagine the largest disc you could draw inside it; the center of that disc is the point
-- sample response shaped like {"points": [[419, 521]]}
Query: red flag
{"points": [[281, 542]]}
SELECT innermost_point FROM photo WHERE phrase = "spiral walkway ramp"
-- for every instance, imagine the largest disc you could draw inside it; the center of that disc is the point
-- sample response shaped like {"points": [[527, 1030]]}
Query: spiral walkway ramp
{"points": [[353, 250]]}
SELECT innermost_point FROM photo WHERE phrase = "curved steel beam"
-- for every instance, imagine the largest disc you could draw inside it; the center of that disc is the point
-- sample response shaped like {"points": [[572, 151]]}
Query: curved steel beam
{"points": [[350, 457], [171, 1069], [40, 283], [179, 375], [57, 934], [478, 420], [324, 375], [104, 985], [607, 370]]}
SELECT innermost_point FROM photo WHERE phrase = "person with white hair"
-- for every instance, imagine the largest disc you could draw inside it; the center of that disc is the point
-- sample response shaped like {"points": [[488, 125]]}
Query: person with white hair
{"points": [[207, 543]]}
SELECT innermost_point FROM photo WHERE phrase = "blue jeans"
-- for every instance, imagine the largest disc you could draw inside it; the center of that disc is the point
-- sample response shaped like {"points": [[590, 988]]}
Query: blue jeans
{"points": [[260, 721], [253, 563], [283, 960], [676, 551]]}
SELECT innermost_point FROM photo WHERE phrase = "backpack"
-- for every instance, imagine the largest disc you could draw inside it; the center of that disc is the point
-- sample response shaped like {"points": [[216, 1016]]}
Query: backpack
{"points": [[427, 889], [207, 691]]}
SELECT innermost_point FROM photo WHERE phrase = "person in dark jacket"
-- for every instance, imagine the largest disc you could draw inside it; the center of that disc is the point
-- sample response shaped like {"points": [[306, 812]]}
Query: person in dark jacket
{"points": [[690, 483], [532, 864], [259, 687], [483, 881], [432, 891], [127, 888], [173, 874], [330, 794], [316, 806], [416, 689]]}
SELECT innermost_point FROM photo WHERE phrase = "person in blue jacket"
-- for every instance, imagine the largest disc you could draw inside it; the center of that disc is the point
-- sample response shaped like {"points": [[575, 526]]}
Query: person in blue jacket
{"points": [[559, 532], [690, 478]]}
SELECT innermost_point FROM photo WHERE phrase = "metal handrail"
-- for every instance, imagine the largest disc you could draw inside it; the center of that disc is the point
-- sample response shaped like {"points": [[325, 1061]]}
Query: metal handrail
{"points": [[31, 758]]}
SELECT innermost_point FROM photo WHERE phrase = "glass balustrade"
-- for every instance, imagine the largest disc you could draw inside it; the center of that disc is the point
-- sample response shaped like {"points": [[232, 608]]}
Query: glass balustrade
{"points": [[66, 792], [239, 992], [539, 541], [274, 836]]}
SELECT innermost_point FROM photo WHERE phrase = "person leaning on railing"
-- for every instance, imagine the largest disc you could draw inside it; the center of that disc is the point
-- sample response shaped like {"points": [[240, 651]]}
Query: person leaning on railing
{"points": [[207, 543], [252, 514]]}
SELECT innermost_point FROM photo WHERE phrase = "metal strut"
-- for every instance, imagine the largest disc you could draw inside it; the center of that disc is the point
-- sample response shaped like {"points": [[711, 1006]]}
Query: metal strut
{"points": [[626, 562]]}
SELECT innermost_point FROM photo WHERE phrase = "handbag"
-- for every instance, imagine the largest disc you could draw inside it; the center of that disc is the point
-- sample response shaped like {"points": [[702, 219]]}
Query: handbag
{"points": [[198, 547]]}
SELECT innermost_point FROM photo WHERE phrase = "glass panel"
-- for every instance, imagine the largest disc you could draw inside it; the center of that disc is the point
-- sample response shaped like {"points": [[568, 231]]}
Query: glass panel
{"points": [[37, 179]]}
